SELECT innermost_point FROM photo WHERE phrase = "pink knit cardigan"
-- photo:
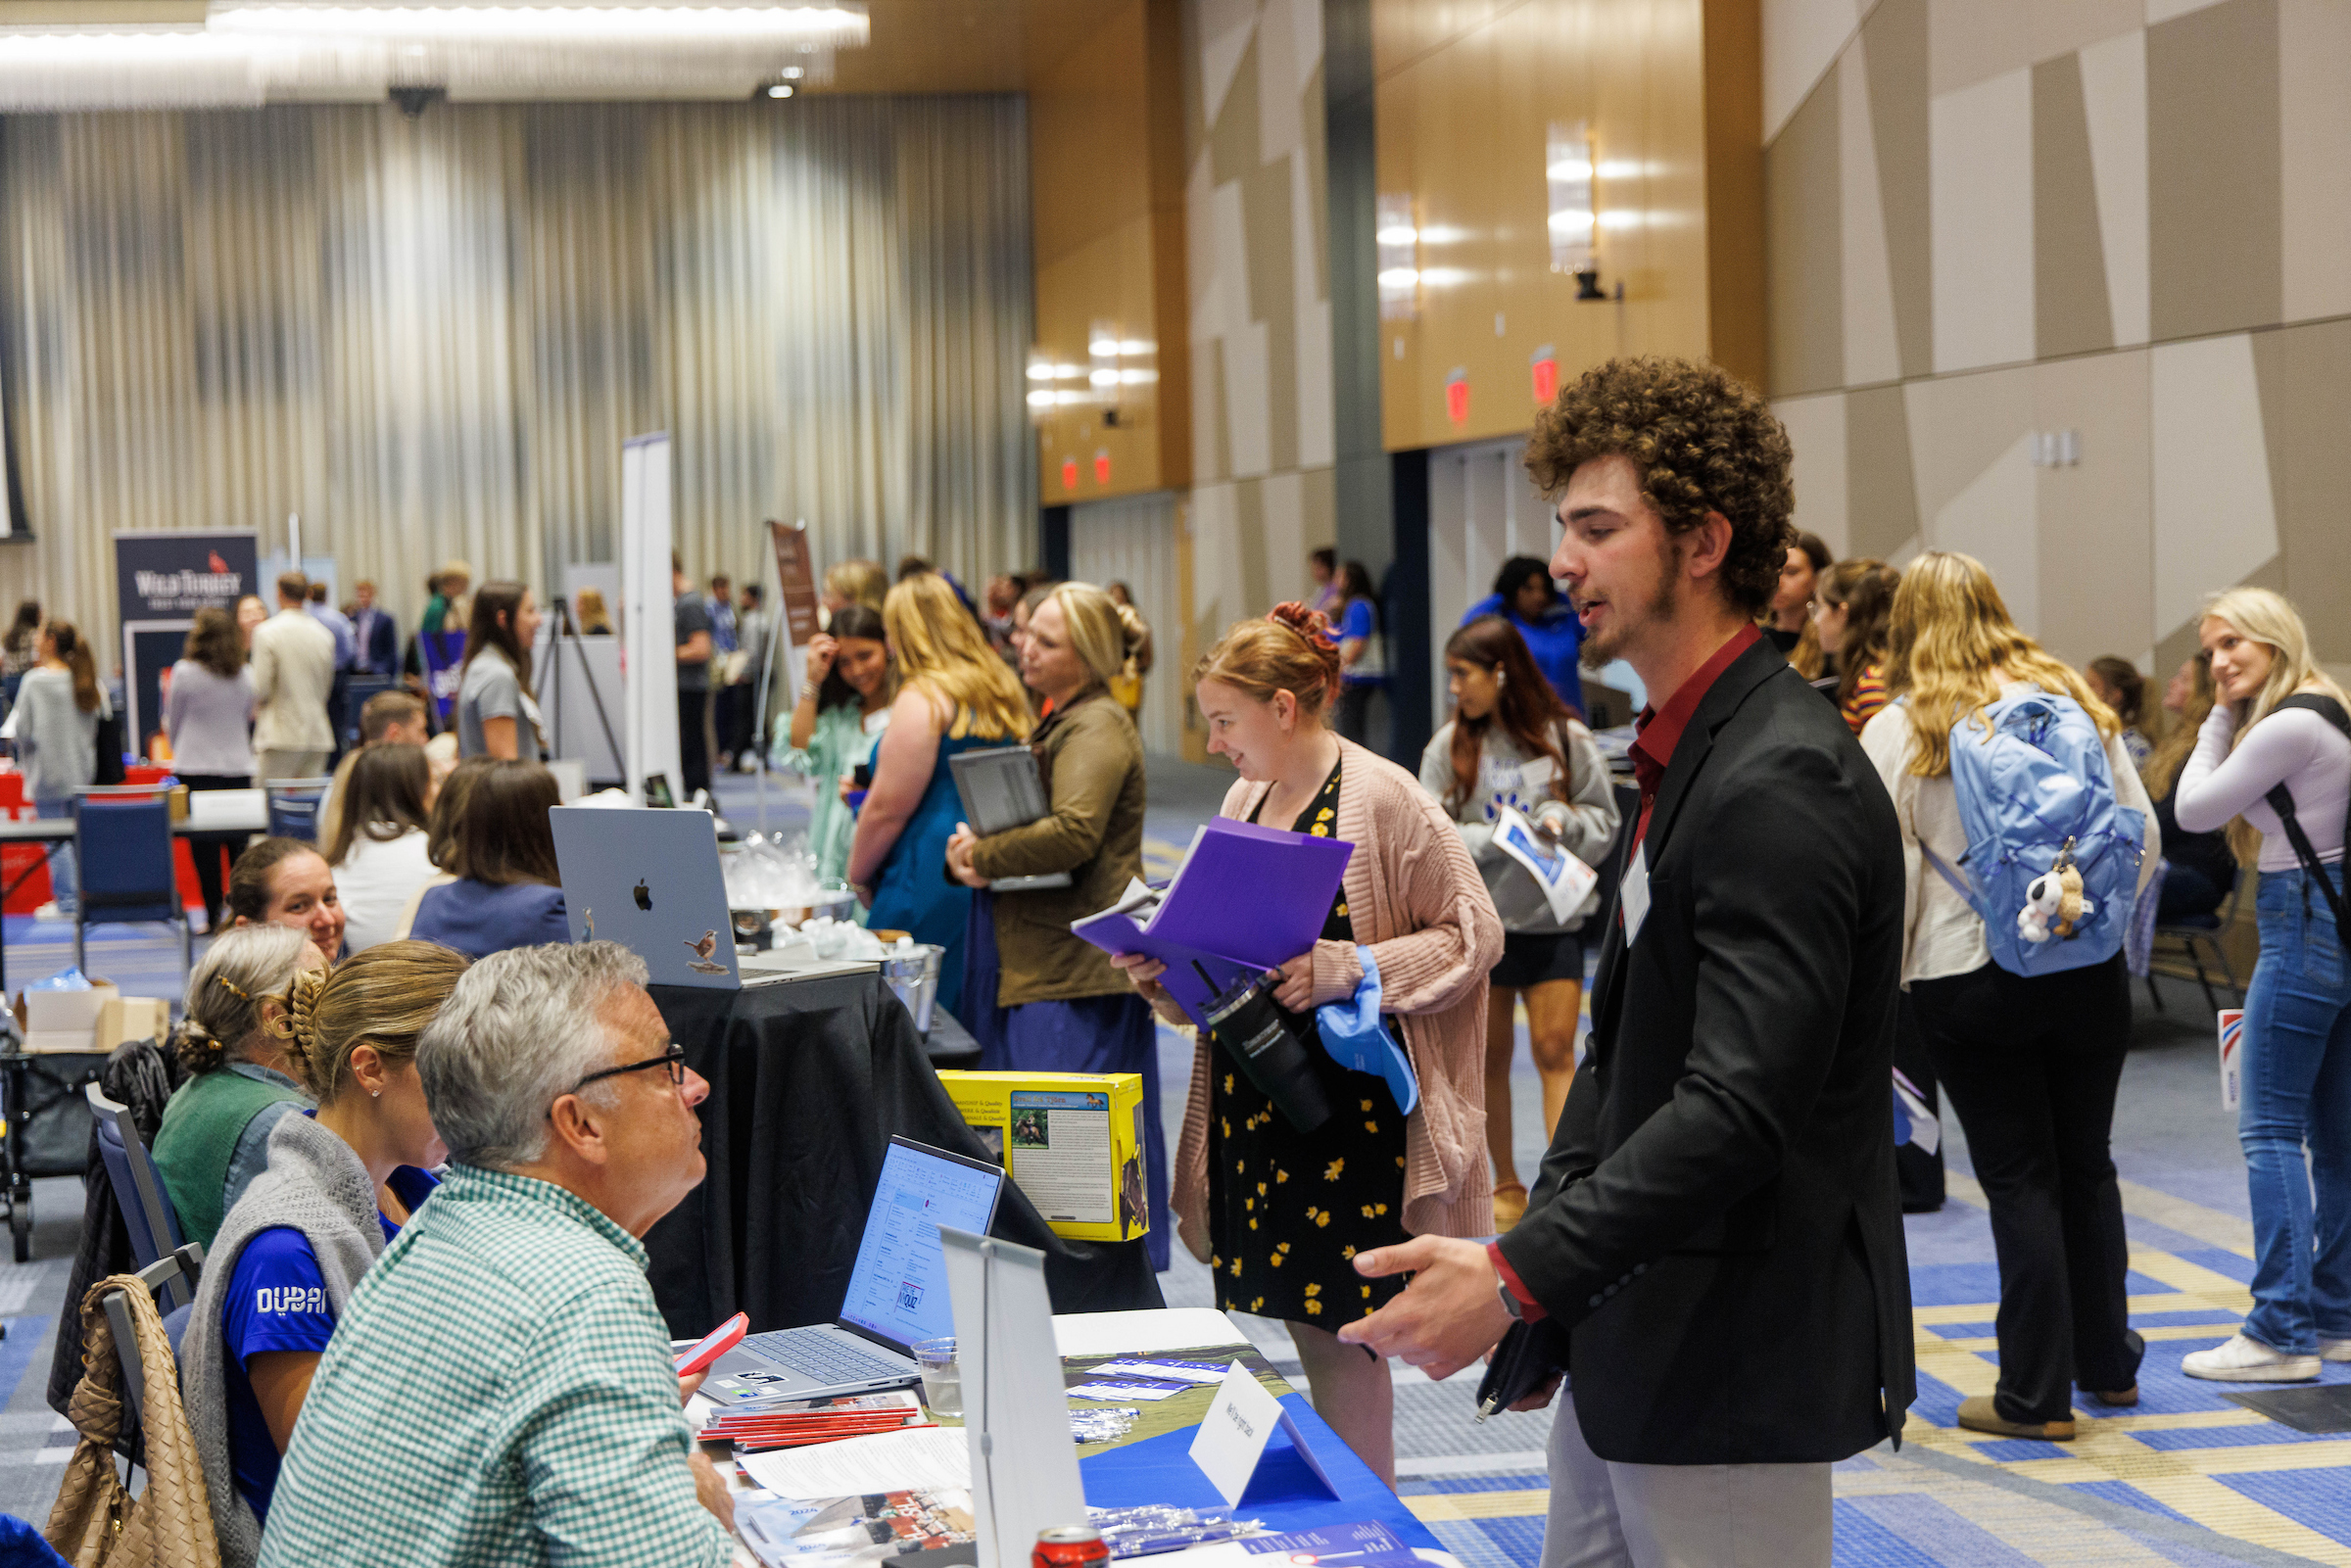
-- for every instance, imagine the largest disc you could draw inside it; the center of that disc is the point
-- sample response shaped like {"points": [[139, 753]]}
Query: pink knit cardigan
{"points": [[1419, 904]]}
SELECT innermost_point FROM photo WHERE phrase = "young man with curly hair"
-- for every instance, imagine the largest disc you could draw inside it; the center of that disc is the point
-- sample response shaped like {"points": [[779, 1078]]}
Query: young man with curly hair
{"points": [[1713, 1255]]}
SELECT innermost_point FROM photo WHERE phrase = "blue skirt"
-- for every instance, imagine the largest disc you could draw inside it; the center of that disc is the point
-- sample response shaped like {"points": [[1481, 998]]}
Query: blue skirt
{"points": [[1085, 1034]]}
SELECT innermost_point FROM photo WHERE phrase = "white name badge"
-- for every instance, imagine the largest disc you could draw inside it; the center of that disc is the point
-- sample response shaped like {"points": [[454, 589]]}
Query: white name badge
{"points": [[1633, 895], [1232, 1435]]}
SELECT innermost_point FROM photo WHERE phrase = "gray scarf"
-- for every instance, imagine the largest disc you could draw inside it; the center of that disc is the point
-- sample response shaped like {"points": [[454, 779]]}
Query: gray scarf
{"points": [[317, 1185]]}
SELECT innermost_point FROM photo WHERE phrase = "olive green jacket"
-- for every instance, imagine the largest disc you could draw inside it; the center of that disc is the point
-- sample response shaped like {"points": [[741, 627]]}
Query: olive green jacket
{"points": [[1094, 775]]}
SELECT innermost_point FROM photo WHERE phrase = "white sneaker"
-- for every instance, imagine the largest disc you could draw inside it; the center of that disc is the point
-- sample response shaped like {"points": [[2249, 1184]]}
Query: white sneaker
{"points": [[2335, 1350], [50, 911], [2244, 1360]]}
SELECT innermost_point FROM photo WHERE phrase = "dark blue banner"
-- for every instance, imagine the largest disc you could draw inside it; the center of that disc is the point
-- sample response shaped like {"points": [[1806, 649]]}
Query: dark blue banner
{"points": [[160, 580], [443, 655]]}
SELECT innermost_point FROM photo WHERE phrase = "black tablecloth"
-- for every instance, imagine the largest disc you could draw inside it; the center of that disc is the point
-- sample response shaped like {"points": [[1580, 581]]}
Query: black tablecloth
{"points": [[808, 1080]]}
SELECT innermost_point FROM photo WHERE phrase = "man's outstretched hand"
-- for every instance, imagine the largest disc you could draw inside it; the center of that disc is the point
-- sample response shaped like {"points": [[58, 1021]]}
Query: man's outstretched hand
{"points": [[1450, 1315]]}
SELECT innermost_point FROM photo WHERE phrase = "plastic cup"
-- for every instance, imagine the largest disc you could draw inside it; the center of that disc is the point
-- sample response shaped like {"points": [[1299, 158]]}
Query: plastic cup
{"points": [[942, 1379]]}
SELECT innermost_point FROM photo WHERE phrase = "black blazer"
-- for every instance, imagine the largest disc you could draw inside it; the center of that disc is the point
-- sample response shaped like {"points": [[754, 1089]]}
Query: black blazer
{"points": [[381, 654], [1718, 1232]]}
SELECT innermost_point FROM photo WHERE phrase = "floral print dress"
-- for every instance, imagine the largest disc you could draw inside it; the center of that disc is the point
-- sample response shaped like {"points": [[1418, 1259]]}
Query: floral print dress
{"points": [[1287, 1211]]}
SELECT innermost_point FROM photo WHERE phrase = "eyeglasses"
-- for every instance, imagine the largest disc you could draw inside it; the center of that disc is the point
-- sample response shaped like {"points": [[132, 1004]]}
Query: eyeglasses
{"points": [[673, 1058]]}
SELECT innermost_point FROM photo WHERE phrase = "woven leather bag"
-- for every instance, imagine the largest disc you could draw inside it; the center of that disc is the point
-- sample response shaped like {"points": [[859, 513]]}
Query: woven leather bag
{"points": [[97, 1523]]}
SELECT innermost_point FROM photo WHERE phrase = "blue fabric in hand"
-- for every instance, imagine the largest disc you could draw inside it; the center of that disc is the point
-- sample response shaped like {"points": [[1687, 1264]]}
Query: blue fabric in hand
{"points": [[1356, 1039]]}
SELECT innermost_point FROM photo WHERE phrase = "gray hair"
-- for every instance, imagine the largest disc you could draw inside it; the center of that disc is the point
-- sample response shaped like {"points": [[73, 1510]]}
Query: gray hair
{"points": [[520, 1029]]}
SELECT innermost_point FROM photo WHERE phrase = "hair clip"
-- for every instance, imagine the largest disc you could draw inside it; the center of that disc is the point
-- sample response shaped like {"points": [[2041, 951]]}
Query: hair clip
{"points": [[234, 989]]}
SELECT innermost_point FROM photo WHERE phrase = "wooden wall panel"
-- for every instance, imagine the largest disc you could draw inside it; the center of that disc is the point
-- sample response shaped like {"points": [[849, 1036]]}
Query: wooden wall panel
{"points": [[1106, 137], [1467, 94]]}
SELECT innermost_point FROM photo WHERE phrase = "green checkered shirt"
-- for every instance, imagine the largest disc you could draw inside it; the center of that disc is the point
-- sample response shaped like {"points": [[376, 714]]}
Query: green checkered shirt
{"points": [[500, 1391]]}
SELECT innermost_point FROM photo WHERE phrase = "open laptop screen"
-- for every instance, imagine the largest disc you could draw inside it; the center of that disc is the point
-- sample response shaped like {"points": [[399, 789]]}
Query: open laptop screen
{"points": [[898, 1290]]}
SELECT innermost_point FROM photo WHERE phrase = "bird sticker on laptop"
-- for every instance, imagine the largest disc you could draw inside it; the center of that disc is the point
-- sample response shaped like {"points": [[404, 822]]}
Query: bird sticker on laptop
{"points": [[702, 950]]}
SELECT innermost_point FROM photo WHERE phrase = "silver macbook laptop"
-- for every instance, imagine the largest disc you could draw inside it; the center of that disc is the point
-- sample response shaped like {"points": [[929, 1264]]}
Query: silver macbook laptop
{"points": [[650, 881], [897, 1292]]}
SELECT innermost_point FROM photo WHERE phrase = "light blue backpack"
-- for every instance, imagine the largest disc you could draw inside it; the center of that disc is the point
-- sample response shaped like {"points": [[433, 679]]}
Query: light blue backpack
{"points": [[2034, 796]]}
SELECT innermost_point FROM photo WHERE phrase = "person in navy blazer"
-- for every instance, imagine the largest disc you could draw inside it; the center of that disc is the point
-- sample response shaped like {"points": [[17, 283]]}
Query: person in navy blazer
{"points": [[379, 633], [1715, 1251]]}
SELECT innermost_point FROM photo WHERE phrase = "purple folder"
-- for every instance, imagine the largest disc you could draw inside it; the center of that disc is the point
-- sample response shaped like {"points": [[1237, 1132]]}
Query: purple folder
{"points": [[1246, 899]]}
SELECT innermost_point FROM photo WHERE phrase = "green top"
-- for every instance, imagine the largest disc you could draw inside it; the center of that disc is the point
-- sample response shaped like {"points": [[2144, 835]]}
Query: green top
{"points": [[499, 1391], [435, 610], [204, 1122], [840, 743]]}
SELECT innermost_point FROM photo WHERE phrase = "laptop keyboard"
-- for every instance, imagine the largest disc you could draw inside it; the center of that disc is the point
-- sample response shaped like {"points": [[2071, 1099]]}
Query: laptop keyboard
{"points": [[828, 1358]]}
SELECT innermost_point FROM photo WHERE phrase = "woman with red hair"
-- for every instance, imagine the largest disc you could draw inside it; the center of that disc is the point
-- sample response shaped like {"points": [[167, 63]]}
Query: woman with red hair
{"points": [[1278, 1213]]}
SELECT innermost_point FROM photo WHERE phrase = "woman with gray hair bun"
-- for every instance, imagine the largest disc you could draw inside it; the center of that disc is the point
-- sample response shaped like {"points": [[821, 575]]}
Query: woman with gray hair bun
{"points": [[215, 1138], [1038, 998]]}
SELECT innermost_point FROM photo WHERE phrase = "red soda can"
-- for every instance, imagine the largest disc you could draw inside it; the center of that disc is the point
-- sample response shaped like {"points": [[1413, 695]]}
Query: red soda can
{"points": [[1069, 1546]]}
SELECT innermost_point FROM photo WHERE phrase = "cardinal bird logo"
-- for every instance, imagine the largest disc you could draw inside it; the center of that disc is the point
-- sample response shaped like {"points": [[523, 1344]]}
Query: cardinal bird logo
{"points": [[213, 563], [702, 951]]}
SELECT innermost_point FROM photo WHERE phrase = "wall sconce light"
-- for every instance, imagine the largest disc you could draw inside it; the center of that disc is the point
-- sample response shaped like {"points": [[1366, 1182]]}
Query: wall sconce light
{"points": [[1570, 173], [1398, 238]]}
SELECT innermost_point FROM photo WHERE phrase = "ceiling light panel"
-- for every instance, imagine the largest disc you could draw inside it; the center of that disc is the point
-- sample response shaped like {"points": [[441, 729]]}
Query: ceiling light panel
{"points": [[831, 26]]}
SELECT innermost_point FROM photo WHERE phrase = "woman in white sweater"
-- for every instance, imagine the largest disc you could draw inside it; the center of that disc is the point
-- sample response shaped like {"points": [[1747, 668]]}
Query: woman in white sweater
{"points": [[2031, 1063], [2279, 722], [1513, 742], [378, 851]]}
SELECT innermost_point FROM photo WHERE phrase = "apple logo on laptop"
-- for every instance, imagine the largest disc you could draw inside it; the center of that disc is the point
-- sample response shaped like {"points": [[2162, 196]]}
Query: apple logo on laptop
{"points": [[645, 900]]}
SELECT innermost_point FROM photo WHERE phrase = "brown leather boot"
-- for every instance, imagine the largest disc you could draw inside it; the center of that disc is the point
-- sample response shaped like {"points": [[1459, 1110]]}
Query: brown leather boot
{"points": [[1979, 1414]]}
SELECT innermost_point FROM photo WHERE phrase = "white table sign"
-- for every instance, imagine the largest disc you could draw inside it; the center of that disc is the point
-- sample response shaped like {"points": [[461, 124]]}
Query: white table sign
{"points": [[1232, 1435]]}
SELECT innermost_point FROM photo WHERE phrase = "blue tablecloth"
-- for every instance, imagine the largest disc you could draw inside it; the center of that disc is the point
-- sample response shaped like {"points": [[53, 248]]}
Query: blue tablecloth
{"points": [[1284, 1495]]}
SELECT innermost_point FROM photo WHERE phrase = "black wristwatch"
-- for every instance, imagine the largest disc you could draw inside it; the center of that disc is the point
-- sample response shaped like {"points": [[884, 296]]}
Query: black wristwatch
{"points": [[1509, 1301]]}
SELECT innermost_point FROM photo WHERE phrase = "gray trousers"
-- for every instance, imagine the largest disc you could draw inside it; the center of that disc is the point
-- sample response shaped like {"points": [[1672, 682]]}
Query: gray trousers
{"points": [[1609, 1515], [273, 764]]}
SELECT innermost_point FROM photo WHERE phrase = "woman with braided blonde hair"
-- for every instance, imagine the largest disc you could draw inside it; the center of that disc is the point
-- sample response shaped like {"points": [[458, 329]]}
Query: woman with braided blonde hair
{"points": [[214, 1136], [340, 1184]]}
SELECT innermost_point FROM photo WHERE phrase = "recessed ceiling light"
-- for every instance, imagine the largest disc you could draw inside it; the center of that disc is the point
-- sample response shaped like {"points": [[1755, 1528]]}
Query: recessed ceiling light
{"points": [[779, 90]]}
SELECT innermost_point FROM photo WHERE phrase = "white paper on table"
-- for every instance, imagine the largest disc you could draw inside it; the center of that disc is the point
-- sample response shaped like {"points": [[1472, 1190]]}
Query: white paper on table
{"points": [[1565, 880], [1123, 1391], [917, 1458], [1165, 1371], [1146, 1333]]}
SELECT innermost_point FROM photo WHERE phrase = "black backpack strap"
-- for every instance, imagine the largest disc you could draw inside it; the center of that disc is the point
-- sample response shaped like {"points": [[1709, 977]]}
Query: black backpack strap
{"points": [[2282, 802]]}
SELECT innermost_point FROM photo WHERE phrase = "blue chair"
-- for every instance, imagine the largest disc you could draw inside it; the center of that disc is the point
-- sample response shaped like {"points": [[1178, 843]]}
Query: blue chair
{"points": [[122, 837], [176, 1273], [294, 806], [147, 1211], [2190, 935]]}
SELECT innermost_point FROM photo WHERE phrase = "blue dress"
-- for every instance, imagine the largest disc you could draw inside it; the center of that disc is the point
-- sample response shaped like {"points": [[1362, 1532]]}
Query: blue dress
{"points": [[914, 892]]}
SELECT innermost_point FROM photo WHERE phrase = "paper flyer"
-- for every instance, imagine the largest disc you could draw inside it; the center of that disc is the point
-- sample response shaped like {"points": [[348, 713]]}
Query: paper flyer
{"points": [[1565, 880]]}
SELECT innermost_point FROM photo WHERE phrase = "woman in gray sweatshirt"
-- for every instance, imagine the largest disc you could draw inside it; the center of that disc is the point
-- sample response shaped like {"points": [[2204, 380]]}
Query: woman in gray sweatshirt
{"points": [[57, 713], [1512, 743]]}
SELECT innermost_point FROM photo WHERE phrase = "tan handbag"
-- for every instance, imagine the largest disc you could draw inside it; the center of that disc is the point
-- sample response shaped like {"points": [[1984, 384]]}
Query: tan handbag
{"points": [[96, 1521]]}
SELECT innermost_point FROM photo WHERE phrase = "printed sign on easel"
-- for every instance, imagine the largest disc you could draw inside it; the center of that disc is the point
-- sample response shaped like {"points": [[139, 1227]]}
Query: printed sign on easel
{"points": [[1232, 1437]]}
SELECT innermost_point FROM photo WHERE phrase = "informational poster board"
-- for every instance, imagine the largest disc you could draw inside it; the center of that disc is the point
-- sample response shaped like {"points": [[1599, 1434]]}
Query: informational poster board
{"points": [[796, 604], [162, 578], [648, 627]]}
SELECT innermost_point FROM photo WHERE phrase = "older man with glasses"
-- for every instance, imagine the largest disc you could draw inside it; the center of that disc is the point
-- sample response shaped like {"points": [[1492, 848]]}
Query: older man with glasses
{"points": [[501, 1390]]}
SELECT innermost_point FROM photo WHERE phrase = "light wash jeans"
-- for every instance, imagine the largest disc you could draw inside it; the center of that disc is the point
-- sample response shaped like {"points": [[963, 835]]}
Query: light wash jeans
{"points": [[2297, 1088], [65, 881]]}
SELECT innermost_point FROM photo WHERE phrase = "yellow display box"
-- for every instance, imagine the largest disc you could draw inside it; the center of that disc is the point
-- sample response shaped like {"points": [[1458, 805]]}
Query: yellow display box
{"points": [[1073, 1142]]}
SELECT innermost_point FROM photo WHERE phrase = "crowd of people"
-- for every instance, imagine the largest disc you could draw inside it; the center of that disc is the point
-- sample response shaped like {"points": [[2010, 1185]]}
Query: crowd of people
{"points": [[1826, 868]]}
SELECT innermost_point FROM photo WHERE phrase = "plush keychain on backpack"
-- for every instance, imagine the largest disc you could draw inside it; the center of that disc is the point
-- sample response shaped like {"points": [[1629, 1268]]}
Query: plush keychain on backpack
{"points": [[2054, 904]]}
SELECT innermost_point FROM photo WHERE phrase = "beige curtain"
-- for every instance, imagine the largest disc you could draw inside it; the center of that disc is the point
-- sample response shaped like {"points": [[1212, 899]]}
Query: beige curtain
{"points": [[429, 337]]}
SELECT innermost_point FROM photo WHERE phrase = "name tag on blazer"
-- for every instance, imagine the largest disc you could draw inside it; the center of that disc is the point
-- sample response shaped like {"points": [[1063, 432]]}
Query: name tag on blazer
{"points": [[1632, 895]]}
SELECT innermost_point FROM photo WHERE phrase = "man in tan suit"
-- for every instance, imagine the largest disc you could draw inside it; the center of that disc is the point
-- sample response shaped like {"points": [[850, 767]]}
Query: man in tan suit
{"points": [[293, 673]]}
